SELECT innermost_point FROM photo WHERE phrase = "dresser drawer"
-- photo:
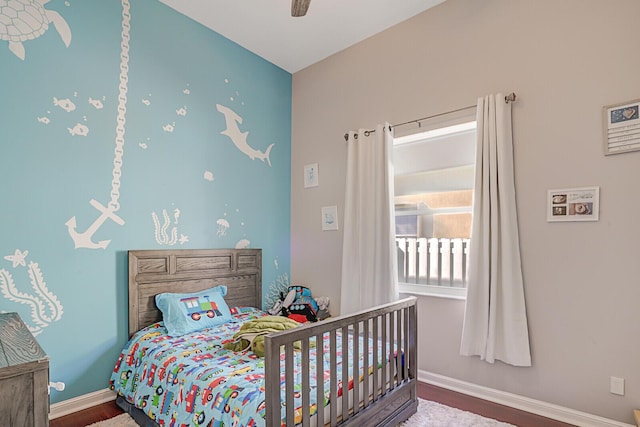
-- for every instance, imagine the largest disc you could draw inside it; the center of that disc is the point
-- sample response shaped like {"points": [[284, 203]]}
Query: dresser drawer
{"points": [[24, 376]]}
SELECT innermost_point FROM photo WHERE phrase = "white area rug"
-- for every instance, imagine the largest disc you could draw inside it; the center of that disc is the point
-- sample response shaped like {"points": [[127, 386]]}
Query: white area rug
{"points": [[433, 414], [430, 414], [123, 420]]}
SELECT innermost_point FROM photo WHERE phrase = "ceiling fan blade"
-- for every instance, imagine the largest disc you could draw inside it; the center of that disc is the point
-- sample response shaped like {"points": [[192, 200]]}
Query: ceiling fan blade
{"points": [[299, 7]]}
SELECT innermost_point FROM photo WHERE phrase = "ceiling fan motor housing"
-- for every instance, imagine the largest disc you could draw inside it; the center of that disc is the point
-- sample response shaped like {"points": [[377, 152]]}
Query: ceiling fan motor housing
{"points": [[299, 7]]}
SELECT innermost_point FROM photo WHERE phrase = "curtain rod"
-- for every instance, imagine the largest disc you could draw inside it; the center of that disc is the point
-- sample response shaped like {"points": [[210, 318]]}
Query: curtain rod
{"points": [[507, 99]]}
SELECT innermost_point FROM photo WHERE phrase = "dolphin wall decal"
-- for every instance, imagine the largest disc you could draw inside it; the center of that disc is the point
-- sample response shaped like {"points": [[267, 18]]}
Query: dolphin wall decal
{"points": [[240, 138]]}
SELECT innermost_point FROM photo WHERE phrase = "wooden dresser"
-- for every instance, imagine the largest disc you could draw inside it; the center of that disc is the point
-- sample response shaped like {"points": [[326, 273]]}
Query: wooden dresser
{"points": [[24, 376]]}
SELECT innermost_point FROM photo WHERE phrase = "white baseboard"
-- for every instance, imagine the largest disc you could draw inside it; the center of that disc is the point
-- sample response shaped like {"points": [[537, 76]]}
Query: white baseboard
{"points": [[526, 404], [79, 403]]}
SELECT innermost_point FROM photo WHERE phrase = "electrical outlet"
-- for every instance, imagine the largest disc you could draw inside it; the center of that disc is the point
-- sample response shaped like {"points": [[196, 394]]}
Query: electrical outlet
{"points": [[617, 386]]}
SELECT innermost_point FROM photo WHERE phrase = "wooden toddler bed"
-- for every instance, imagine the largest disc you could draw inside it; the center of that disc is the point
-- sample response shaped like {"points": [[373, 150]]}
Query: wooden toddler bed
{"points": [[381, 342]]}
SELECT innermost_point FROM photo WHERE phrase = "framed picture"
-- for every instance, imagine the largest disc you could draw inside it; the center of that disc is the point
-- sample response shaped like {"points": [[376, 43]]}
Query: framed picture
{"points": [[311, 175], [622, 127], [329, 218], [573, 204]]}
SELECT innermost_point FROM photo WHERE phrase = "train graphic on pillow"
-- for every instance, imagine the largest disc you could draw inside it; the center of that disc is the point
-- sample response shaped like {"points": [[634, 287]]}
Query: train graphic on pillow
{"points": [[198, 306]]}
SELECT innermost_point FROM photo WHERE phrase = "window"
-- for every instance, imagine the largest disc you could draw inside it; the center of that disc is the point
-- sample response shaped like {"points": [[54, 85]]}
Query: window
{"points": [[434, 175]]}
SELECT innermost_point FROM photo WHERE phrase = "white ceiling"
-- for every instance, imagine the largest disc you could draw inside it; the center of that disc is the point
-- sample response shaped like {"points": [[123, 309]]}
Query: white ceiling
{"points": [[266, 28]]}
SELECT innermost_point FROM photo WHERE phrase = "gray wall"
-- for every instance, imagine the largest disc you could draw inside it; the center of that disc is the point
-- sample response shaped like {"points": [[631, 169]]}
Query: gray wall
{"points": [[565, 60]]}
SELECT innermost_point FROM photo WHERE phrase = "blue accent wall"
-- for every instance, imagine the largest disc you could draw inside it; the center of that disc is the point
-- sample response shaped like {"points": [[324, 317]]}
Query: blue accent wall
{"points": [[114, 143]]}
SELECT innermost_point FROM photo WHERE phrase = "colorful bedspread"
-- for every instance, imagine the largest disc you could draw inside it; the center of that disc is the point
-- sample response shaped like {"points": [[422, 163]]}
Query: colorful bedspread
{"points": [[192, 380]]}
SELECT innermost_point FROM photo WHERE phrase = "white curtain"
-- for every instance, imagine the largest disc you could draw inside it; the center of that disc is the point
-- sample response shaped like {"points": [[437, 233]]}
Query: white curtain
{"points": [[495, 320], [369, 263]]}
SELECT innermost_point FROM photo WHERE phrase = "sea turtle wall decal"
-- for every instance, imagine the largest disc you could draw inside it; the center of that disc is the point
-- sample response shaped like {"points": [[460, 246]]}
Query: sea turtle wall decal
{"points": [[22, 20]]}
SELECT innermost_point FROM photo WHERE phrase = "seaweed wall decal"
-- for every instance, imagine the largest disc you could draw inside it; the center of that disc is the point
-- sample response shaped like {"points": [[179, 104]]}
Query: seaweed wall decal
{"points": [[45, 306]]}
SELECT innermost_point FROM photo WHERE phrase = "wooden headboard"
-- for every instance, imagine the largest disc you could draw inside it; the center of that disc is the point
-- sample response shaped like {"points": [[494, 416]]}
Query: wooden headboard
{"points": [[152, 272]]}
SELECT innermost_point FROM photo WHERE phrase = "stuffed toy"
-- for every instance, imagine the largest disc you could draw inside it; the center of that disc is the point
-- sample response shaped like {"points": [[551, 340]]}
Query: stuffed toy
{"points": [[323, 303], [323, 308], [300, 305]]}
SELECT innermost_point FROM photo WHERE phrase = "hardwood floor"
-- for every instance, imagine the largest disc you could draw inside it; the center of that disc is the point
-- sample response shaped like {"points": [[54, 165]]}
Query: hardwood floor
{"points": [[425, 391], [485, 408], [88, 416]]}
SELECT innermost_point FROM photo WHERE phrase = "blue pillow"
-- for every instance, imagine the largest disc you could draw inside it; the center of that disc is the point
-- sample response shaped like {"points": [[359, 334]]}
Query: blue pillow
{"points": [[185, 313]]}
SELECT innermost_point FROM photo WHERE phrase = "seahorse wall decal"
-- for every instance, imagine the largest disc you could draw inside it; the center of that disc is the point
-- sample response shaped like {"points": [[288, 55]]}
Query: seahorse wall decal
{"points": [[45, 306]]}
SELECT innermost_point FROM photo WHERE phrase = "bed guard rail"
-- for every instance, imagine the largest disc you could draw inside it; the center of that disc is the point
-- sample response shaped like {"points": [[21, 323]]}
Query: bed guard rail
{"points": [[378, 393]]}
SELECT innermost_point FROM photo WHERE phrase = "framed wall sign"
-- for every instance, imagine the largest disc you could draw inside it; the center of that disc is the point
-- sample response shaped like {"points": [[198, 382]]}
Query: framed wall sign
{"points": [[329, 218], [622, 127], [573, 204], [311, 175]]}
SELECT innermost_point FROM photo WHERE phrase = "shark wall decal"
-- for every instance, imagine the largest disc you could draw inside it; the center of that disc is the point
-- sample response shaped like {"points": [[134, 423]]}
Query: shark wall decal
{"points": [[240, 138]]}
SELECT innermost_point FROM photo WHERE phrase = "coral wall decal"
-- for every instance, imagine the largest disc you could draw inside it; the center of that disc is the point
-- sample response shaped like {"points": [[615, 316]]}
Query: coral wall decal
{"points": [[45, 307], [243, 244], [279, 286]]}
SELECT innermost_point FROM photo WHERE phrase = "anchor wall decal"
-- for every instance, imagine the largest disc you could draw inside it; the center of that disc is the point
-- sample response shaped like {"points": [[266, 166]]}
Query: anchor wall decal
{"points": [[84, 239]]}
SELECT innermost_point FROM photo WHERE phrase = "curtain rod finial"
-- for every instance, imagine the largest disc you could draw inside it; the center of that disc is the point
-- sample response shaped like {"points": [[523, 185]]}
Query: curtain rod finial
{"points": [[510, 98]]}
